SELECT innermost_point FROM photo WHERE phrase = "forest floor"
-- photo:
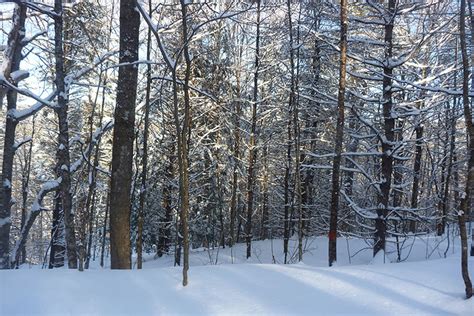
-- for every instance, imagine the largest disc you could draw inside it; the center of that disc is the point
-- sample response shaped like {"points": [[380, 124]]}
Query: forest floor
{"points": [[426, 283]]}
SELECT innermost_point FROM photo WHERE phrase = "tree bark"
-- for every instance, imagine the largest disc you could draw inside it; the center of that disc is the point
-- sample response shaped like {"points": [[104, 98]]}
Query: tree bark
{"points": [[63, 158], [58, 251]]}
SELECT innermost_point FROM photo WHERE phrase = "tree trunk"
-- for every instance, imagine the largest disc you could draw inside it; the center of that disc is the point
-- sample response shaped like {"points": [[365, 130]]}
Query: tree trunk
{"points": [[25, 184], [122, 152], [143, 187], [104, 230], [265, 215], [183, 133], [13, 56], [416, 172], [58, 251], [63, 158], [165, 233], [336, 166], [387, 143], [253, 142], [466, 201], [235, 159], [89, 213]]}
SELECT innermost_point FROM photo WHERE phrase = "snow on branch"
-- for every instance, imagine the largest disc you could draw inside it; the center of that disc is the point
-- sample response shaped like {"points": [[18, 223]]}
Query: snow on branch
{"points": [[154, 28], [21, 142], [20, 115], [25, 92]]}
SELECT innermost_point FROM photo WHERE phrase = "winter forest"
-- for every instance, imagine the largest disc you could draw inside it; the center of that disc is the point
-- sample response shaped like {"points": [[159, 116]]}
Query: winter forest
{"points": [[257, 157]]}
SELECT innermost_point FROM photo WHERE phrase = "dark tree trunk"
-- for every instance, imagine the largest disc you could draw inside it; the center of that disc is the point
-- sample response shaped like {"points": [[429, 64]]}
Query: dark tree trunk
{"points": [[387, 143], [294, 103], [104, 230], [349, 175], [286, 218], [416, 172], [143, 188], [253, 142], [58, 250], [122, 152], [63, 159], [288, 200], [451, 140], [91, 200], [92, 166], [13, 55], [165, 233], [235, 173], [397, 187], [25, 184], [466, 201], [264, 203], [311, 124], [235, 159], [336, 167]]}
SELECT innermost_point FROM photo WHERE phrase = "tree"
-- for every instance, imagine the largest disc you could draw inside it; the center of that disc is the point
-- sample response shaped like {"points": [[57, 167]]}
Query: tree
{"points": [[466, 203], [124, 131], [336, 167], [13, 59], [143, 188], [253, 140], [63, 155]]}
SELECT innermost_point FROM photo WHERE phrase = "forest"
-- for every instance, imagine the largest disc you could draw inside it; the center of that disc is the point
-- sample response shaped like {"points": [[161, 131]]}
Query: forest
{"points": [[216, 143]]}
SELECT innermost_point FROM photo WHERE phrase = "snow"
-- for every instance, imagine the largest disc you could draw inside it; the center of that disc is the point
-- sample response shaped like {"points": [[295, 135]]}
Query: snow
{"points": [[5, 221], [21, 142], [7, 184], [432, 287], [20, 115], [394, 289], [48, 186], [19, 75], [380, 258]]}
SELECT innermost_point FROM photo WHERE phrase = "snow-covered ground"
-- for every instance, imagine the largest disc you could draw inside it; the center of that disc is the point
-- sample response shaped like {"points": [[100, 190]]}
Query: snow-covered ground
{"points": [[364, 287]]}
